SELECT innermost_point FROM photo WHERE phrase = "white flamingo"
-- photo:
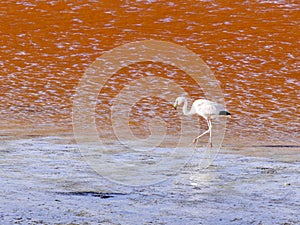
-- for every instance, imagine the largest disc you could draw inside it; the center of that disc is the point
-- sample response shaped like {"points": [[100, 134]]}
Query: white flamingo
{"points": [[207, 109]]}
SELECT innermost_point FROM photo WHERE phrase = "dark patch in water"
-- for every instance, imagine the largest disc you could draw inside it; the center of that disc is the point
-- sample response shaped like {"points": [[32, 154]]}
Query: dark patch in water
{"points": [[266, 170], [91, 193], [278, 146]]}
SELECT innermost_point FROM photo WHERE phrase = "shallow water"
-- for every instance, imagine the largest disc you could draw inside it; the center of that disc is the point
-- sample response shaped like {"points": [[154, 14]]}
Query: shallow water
{"points": [[251, 47], [45, 181]]}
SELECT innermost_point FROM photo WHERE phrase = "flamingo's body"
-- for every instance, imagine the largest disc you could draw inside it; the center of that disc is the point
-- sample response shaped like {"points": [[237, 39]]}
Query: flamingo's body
{"points": [[207, 109]]}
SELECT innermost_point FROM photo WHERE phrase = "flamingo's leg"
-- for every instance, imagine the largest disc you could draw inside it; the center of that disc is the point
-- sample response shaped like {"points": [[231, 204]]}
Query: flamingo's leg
{"points": [[210, 132], [205, 132], [196, 139]]}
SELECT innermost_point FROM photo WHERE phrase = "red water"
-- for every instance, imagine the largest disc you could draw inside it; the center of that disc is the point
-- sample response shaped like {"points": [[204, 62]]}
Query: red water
{"points": [[251, 46]]}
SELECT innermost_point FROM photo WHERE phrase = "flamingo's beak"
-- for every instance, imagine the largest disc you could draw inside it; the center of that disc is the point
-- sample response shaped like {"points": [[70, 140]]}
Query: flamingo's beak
{"points": [[175, 106]]}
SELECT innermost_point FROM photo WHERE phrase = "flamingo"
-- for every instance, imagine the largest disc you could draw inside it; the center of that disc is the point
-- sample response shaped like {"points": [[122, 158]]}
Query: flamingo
{"points": [[207, 109]]}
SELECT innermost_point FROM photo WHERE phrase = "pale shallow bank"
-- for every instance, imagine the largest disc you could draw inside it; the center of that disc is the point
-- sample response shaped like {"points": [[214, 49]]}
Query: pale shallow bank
{"points": [[44, 180]]}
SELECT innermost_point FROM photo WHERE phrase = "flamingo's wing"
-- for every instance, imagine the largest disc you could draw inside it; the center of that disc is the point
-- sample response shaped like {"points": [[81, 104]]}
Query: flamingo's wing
{"points": [[207, 108]]}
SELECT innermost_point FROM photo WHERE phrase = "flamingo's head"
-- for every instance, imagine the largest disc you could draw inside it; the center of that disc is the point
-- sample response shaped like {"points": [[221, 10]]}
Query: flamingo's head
{"points": [[179, 101]]}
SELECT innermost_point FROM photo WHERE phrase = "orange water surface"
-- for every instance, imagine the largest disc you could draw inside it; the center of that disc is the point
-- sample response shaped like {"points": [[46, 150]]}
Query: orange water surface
{"points": [[252, 47]]}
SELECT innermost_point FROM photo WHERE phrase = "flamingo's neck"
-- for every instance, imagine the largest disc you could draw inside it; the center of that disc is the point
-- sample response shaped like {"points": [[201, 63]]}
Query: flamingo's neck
{"points": [[185, 109]]}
